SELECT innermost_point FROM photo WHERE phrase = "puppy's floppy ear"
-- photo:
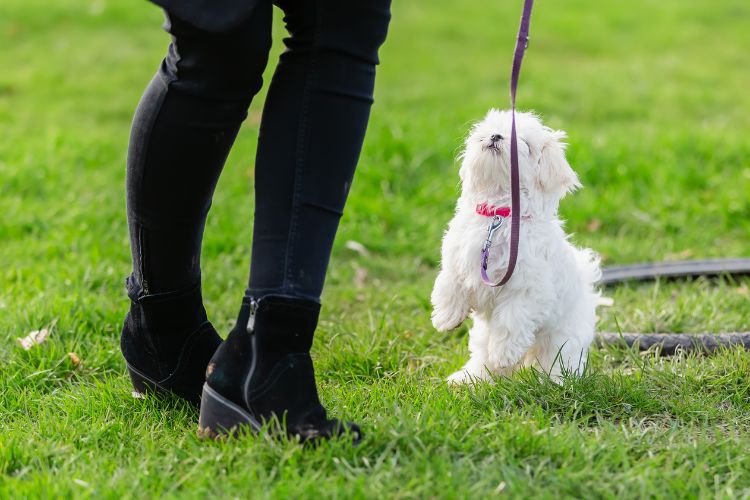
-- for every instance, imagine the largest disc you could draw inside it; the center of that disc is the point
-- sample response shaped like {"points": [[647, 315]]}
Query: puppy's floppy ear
{"points": [[555, 173]]}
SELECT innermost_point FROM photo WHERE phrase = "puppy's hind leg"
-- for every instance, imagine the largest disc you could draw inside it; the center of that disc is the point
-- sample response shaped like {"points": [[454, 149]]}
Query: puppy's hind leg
{"points": [[475, 369], [563, 351], [512, 332]]}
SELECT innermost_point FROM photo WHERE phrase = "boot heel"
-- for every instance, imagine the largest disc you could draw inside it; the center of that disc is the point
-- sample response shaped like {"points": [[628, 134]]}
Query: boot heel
{"points": [[220, 417], [141, 384]]}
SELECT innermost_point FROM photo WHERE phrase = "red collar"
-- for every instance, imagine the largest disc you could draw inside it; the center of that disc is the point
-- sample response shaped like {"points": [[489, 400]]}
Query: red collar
{"points": [[491, 210]]}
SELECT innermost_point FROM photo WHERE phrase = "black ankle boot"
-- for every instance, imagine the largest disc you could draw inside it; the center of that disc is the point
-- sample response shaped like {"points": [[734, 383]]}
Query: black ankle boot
{"points": [[167, 341], [263, 373]]}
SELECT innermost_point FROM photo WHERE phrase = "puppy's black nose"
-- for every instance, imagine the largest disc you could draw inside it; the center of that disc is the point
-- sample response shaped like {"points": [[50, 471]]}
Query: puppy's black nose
{"points": [[496, 137]]}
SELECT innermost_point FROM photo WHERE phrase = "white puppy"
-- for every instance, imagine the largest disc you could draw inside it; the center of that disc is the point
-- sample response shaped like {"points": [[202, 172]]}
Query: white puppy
{"points": [[545, 315]]}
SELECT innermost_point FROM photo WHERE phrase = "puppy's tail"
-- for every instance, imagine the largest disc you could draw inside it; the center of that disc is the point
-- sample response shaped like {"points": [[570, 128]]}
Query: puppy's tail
{"points": [[589, 265]]}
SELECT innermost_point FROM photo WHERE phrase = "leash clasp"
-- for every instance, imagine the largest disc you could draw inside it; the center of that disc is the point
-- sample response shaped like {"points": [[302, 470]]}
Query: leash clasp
{"points": [[495, 224]]}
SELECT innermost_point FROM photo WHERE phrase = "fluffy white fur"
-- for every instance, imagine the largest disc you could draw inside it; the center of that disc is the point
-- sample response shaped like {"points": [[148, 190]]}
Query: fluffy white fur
{"points": [[545, 315]]}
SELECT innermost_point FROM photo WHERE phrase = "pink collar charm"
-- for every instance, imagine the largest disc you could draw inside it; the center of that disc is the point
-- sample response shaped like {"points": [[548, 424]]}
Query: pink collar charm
{"points": [[496, 215], [488, 210]]}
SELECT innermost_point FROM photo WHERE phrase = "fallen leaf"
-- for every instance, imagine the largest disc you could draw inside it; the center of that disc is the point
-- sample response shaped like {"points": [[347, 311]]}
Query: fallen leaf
{"points": [[594, 225], [34, 338], [74, 358], [360, 275], [500, 487], [358, 247]]}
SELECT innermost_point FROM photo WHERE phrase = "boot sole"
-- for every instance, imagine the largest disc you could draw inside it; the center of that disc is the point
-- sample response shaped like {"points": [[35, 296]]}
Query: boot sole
{"points": [[220, 417], [144, 385]]}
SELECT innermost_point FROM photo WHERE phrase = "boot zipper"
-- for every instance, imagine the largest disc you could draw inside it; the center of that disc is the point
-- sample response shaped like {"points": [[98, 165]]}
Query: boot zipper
{"points": [[142, 259], [251, 319]]}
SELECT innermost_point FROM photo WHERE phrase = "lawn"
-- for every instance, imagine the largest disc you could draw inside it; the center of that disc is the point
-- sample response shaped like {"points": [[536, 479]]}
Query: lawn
{"points": [[654, 98]]}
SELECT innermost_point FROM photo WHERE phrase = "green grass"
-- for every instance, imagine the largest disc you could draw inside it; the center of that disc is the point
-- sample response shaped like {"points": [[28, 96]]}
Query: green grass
{"points": [[654, 98]]}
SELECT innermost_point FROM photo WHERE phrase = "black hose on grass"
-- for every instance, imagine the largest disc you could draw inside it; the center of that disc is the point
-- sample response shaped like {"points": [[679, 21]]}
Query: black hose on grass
{"points": [[667, 344], [673, 270]]}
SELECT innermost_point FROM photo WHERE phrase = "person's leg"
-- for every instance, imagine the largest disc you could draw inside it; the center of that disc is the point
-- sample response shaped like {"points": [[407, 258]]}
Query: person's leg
{"points": [[312, 129], [182, 132]]}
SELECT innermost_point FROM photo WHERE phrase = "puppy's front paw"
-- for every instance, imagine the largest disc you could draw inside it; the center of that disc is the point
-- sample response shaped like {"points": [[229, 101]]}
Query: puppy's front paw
{"points": [[460, 377], [468, 376], [447, 319]]}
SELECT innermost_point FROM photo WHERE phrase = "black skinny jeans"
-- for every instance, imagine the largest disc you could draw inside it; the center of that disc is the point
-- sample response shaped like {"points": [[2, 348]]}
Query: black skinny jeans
{"points": [[311, 133]]}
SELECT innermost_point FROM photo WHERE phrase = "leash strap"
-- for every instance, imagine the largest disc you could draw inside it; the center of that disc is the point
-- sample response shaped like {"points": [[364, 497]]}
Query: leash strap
{"points": [[515, 190]]}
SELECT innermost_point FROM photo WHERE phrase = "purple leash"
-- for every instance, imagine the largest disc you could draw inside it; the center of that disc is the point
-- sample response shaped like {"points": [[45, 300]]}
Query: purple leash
{"points": [[515, 191]]}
